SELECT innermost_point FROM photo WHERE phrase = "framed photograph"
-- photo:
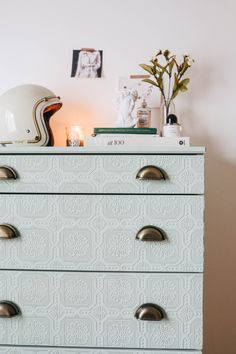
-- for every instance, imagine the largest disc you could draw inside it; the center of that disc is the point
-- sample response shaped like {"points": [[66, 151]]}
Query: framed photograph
{"points": [[87, 63], [134, 82]]}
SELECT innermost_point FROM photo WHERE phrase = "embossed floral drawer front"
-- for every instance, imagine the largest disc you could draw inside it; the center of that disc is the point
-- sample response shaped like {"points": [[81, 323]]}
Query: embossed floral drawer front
{"points": [[78, 232], [25, 350], [103, 174], [97, 309]]}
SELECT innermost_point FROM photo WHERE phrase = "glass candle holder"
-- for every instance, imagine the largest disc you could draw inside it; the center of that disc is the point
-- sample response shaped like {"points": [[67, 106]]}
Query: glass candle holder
{"points": [[73, 136]]}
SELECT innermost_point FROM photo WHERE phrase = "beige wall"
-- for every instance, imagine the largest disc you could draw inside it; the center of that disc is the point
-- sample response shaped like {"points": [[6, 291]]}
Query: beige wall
{"points": [[37, 38]]}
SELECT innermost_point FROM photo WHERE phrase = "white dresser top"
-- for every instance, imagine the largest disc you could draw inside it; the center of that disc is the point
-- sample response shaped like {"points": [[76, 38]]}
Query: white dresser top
{"points": [[102, 150]]}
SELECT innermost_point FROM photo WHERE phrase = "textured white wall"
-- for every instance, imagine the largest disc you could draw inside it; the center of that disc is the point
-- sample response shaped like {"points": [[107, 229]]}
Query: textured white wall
{"points": [[37, 38]]}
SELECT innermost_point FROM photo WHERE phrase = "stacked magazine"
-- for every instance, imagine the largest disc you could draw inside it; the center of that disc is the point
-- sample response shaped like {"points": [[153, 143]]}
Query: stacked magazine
{"points": [[126, 137]]}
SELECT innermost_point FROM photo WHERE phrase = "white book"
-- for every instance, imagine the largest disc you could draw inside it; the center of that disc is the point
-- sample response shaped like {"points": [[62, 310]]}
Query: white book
{"points": [[138, 140]]}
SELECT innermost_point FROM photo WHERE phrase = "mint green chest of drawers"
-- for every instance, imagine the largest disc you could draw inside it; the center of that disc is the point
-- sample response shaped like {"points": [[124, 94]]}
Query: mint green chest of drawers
{"points": [[101, 252]]}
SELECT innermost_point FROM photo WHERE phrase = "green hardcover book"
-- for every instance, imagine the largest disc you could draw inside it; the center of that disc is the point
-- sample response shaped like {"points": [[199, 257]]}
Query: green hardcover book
{"points": [[125, 131]]}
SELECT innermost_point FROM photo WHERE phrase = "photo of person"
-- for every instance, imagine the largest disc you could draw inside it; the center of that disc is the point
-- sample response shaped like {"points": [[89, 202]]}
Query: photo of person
{"points": [[87, 63]]}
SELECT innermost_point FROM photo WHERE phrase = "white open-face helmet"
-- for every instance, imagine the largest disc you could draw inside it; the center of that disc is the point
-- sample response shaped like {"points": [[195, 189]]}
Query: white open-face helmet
{"points": [[24, 115]]}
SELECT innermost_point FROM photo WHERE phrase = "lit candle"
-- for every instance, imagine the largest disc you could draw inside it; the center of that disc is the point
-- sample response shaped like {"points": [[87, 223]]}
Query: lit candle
{"points": [[73, 136]]}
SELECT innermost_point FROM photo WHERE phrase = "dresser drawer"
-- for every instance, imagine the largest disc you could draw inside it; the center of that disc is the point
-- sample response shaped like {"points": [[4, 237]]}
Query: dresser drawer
{"points": [[27, 350], [98, 309], [183, 174], [94, 232]]}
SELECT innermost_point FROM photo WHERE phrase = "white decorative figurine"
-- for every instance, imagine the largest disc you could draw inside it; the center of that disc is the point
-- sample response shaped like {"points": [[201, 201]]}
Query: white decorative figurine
{"points": [[125, 106]]}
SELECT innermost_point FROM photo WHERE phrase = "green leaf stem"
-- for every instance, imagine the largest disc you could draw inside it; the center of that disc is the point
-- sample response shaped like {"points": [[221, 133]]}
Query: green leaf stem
{"points": [[164, 64]]}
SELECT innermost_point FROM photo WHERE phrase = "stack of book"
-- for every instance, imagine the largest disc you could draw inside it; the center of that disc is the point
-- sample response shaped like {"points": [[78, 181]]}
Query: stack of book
{"points": [[136, 137]]}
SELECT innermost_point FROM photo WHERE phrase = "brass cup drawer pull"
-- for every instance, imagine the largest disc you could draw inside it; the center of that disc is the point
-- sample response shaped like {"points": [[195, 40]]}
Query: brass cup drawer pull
{"points": [[151, 233], [151, 173], [8, 309], [149, 312], [8, 231], [6, 173]]}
